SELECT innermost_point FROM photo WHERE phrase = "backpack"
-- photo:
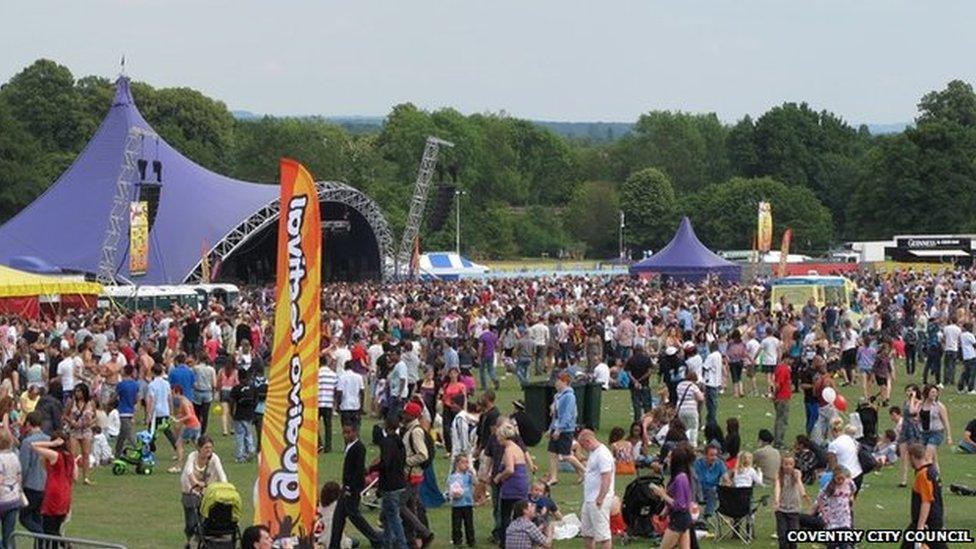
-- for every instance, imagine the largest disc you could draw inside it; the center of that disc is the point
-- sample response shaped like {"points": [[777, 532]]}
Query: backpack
{"points": [[865, 459], [429, 443]]}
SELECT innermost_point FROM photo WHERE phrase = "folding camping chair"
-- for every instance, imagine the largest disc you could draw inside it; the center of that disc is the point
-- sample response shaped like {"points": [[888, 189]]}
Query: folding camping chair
{"points": [[736, 515]]}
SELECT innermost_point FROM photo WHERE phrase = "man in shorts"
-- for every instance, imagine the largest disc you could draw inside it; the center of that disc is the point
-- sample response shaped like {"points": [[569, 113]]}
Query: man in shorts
{"points": [[562, 429], [770, 358], [598, 492]]}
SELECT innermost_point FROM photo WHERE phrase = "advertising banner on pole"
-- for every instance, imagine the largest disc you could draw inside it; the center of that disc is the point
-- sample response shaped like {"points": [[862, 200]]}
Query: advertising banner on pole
{"points": [[764, 232], [785, 252], [138, 238], [287, 485]]}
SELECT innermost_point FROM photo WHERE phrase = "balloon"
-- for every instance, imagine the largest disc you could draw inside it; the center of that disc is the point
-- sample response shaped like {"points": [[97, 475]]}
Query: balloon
{"points": [[840, 403], [829, 395], [217, 410]]}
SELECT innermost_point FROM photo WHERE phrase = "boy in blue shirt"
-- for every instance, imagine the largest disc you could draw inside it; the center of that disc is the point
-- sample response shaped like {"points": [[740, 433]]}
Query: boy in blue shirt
{"points": [[127, 394], [460, 492], [546, 509]]}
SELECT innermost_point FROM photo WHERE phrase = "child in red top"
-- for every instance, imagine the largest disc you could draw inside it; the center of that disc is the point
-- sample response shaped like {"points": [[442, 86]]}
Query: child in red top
{"points": [[62, 471]]}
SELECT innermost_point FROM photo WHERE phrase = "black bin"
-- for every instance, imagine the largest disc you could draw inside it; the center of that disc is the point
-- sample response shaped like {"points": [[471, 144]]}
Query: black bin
{"points": [[538, 398]]}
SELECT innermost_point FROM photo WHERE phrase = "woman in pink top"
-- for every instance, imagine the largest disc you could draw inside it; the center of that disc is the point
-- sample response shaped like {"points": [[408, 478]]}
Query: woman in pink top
{"points": [[226, 380]]}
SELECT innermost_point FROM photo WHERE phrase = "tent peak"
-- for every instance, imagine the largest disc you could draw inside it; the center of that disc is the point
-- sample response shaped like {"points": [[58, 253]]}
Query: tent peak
{"points": [[123, 96]]}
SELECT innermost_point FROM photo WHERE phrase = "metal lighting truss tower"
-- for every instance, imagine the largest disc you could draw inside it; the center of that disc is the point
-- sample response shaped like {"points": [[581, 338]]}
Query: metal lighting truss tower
{"points": [[328, 191], [419, 201], [119, 215]]}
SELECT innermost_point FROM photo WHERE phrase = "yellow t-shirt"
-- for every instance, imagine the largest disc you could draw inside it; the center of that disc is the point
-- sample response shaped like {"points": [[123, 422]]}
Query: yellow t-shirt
{"points": [[27, 404]]}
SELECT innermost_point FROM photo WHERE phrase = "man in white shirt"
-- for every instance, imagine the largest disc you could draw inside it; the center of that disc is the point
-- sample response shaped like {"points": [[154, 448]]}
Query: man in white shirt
{"points": [[340, 354], [967, 345], [753, 350], [539, 333], [598, 490], [374, 352], [843, 451], [327, 381], [770, 358], [601, 375], [397, 380], [349, 391], [713, 370], [951, 332], [66, 372], [410, 356]]}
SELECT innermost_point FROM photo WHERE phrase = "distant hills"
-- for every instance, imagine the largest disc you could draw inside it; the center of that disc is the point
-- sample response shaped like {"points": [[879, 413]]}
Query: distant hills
{"points": [[596, 132]]}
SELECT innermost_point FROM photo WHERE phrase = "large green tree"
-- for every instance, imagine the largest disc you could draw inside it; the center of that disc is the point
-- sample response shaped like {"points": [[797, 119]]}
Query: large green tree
{"points": [[592, 217], [956, 103], [647, 198], [259, 144], [725, 214], [924, 179], [689, 148], [199, 127], [797, 145], [44, 99], [20, 156]]}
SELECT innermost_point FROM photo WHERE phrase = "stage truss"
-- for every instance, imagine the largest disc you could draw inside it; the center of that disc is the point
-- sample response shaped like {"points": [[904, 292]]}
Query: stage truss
{"points": [[328, 191]]}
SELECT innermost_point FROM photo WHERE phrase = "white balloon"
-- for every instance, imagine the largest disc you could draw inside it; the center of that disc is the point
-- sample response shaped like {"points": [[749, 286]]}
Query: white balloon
{"points": [[829, 395]]}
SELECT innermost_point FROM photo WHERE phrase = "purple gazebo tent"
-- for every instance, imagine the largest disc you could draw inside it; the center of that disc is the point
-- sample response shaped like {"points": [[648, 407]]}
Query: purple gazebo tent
{"points": [[685, 258], [65, 227]]}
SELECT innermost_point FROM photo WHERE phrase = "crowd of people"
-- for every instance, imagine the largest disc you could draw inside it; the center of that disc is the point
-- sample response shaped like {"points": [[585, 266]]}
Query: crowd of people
{"points": [[423, 360]]}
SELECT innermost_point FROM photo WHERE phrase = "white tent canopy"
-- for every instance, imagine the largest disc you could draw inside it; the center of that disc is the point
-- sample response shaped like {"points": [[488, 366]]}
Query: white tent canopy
{"points": [[449, 266]]}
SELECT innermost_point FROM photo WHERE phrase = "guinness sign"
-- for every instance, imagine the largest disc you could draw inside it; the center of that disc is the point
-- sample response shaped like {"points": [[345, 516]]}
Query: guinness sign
{"points": [[924, 243]]}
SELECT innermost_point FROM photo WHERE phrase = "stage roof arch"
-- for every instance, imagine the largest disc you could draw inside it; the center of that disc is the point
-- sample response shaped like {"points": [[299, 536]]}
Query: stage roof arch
{"points": [[197, 209]]}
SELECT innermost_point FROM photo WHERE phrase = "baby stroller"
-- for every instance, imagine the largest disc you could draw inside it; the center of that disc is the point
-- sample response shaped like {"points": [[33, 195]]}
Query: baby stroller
{"points": [[640, 504], [140, 456], [220, 512]]}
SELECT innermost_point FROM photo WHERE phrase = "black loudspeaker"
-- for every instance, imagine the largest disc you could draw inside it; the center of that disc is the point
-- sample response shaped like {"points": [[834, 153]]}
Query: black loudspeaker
{"points": [[442, 207], [158, 170], [141, 164]]}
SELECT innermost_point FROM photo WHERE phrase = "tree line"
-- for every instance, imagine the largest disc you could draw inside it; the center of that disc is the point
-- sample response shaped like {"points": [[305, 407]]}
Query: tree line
{"points": [[531, 191]]}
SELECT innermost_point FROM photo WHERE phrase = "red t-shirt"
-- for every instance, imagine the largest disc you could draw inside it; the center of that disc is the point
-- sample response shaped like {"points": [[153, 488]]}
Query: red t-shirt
{"points": [[783, 380], [57, 490], [212, 346], [130, 355]]}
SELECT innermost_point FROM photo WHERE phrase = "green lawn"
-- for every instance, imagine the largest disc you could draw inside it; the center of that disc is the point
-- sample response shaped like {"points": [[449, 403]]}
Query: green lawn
{"points": [[145, 511]]}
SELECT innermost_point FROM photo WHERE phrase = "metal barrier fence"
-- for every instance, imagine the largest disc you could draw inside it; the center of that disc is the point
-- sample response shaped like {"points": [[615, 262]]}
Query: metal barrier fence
{"points": [[31, 539]]}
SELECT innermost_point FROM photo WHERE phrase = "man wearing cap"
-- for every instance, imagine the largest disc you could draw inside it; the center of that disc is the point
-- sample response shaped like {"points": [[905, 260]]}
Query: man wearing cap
{"points": [[693, 361], [415, 447], [672, 371], [562, 429], [528, 431]]}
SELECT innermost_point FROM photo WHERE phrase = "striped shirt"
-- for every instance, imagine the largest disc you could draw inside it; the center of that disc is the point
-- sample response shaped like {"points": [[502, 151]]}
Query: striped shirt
{"points": [[327, 384]]}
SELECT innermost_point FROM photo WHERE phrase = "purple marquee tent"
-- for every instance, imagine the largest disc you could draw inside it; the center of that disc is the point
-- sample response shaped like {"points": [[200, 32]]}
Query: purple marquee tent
{"points": [[685, 258], [66, 226]]}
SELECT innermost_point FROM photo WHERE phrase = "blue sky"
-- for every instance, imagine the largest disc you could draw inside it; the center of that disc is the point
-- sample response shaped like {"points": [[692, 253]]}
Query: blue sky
{"points": [[868, 61]]}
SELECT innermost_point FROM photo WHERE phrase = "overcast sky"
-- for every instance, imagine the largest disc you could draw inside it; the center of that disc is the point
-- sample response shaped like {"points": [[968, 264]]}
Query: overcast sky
{"points": [[866, 60]]}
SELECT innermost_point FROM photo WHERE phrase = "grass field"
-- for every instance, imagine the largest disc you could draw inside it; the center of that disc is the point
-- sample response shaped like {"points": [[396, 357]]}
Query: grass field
{"points": [[145, 512]]}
